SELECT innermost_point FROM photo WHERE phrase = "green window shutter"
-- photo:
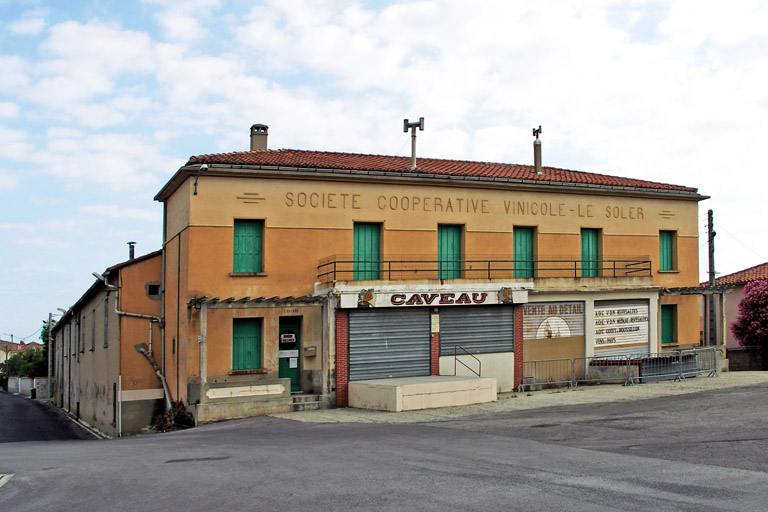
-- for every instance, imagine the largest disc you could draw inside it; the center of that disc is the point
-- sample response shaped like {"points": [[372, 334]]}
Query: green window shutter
{"points": [[246, 344], [590, 252], [248, 246], [666, 250], [449, 252], [667, 324], [367, 251], [523, 252]]}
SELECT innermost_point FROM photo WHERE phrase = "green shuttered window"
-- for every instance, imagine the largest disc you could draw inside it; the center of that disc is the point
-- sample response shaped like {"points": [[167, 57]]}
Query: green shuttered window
{"points": [[666, 250], [523, 252], [590, 252], [246, 344], [449, 252], [367, 251], [248, 246], [668, 314]]}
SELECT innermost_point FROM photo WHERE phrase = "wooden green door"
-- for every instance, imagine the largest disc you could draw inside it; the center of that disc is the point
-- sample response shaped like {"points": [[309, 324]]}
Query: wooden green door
{"points": [[523, 252], [246, 344], [367, 251], [289, 344], [666, 250], [667, 325], [248, 254], [448, 252], [590, 252]]}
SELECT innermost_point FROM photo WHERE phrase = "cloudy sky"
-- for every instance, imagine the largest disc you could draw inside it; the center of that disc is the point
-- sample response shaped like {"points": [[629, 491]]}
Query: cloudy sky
{"points": [[101, 101]]}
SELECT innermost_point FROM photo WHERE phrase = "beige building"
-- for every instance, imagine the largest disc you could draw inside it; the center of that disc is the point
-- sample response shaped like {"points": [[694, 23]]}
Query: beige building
{"points": [[98, 374], [289, 274]]}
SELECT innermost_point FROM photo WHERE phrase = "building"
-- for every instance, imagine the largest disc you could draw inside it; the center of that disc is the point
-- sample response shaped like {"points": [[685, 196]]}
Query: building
{"points": [[98, 374], [726, 311], [9, 348], [292, 275]]}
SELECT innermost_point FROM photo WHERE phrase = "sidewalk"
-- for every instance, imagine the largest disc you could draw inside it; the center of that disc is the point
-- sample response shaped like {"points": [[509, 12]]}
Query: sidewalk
{"points": [[535, 400]]}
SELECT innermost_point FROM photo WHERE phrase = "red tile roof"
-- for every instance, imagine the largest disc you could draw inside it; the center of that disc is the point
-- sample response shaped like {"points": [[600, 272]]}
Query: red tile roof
{"points": [[756, 273], [294, 158]]}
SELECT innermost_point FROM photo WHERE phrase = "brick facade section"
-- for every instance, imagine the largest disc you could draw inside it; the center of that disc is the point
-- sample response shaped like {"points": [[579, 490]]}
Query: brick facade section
{"points": [[434, 353], [342, 358], [518, 345]]}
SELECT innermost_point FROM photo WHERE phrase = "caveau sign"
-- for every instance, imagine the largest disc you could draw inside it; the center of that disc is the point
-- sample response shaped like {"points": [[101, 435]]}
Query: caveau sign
{"points": [[426, 298], [441, 299]]}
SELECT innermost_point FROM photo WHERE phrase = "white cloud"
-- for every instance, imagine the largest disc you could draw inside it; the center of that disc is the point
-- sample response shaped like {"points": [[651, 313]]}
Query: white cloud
{"points": [[9, 109], [121, 212], [8, 181], [31, 23]]}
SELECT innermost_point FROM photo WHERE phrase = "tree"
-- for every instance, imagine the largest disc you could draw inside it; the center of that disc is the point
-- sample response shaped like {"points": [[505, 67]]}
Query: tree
{"points": [[31, 363], [751, 328]]}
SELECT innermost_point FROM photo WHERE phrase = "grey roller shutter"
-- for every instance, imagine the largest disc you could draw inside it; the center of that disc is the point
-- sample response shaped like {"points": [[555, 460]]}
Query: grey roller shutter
{"points": [[622, 328], [387, 343], [479, 330]]}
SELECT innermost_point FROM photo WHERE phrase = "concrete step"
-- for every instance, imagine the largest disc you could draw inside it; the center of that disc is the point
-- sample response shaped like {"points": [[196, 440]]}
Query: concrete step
{"points": [[306, 402]]}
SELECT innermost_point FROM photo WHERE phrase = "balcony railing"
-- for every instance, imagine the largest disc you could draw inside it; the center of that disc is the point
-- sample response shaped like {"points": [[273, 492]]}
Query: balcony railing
{"points": [[399, 268]]}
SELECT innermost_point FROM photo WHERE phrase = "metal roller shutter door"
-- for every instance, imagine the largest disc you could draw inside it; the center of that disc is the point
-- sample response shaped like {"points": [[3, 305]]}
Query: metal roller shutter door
{"points": [[629, 342], [477, 329], [387, 343]]}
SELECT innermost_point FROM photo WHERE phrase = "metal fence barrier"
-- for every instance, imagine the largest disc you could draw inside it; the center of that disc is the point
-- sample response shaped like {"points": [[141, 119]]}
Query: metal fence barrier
{"points": [[599, 369], [706, 360], [672, 365], [547, 372]]}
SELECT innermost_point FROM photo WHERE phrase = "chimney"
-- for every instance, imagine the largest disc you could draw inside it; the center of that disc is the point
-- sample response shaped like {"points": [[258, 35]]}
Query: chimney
{"points": [[259, 136], [537, 150], [131, 245]]}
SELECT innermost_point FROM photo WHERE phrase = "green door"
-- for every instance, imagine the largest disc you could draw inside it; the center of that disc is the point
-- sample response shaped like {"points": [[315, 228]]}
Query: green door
{"points": [[590, 252], [246, 344], [289, 343], [448, 252], [667, 324], [523, 247], [367, 251], [248, 251], [666, 250]]}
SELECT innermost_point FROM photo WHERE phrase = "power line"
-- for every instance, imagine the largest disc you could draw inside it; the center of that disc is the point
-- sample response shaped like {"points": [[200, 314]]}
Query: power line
{"points": [[720, 227]]}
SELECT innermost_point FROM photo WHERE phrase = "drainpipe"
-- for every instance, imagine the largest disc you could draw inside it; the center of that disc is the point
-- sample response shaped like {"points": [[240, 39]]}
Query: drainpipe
{"points": [[151, 318]]}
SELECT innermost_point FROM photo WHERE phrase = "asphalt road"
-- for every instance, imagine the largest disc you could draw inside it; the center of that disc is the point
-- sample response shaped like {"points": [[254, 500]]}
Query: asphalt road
{"points": [[22, 419], [725, 427], [567, 458]]}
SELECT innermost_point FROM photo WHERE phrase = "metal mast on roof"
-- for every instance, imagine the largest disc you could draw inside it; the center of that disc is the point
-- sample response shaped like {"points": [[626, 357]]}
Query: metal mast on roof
{"points": [[537, 150], [413, 126]]}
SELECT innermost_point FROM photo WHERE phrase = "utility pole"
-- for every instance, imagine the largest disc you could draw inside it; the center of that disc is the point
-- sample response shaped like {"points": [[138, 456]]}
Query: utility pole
{"points": [[711, 313], [50, 357]]}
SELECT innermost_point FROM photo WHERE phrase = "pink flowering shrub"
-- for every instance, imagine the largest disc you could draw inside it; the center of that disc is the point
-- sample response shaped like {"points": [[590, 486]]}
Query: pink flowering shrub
{"points": [[751, 328]]}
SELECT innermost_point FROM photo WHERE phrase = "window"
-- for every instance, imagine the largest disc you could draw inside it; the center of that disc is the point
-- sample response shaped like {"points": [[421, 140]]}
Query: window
{"points": [[153, 290], [248, 247], [668, 324], [448, 252], [367, 251], [246, 344], [590, 252], [667, 260], [523, 251], [106, 320], [93, 329]]}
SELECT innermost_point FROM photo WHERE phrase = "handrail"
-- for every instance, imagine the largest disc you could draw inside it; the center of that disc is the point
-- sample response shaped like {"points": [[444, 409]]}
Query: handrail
{"points": [[456, 360], [349, 268]]}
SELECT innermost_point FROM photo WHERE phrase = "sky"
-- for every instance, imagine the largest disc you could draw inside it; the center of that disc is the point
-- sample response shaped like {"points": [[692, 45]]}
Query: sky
{"points": [[102, 101]]}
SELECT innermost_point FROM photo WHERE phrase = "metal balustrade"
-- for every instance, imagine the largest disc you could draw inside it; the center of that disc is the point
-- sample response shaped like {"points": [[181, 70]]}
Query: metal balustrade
{"points": [[398, 268]]}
